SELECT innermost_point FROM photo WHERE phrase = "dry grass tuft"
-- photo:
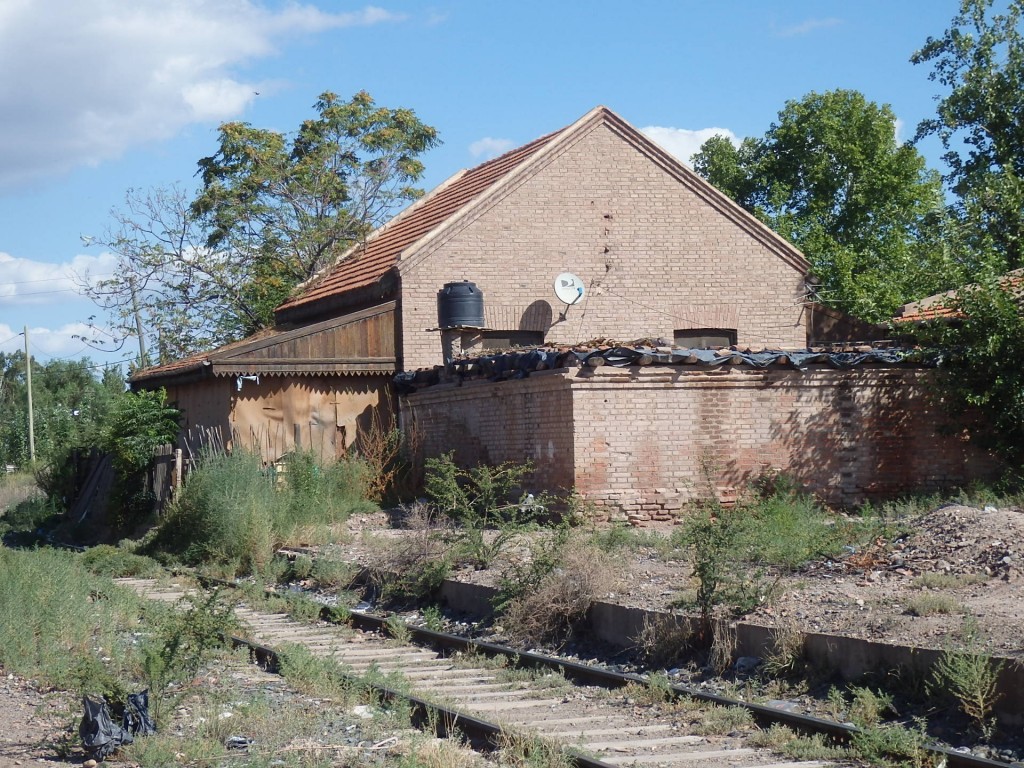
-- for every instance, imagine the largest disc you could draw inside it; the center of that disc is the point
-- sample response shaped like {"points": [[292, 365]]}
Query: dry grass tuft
{"points": [[563, 596], [664, 639]]}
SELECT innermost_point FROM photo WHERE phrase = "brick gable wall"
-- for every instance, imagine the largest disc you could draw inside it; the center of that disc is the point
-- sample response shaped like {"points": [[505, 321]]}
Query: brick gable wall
{"points": [[654, 255]]}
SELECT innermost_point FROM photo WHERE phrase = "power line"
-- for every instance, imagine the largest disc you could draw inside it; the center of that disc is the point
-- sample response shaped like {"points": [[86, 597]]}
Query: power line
{"points": [[52, 279]]}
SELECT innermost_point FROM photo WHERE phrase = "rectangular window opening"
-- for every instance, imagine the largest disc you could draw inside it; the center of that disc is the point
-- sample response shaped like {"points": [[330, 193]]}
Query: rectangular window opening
{"points": [[702, 338]]}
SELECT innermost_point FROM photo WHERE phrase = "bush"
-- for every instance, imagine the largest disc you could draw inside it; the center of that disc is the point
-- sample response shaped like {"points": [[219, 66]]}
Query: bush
{"points": [[231, 509], [545, 602], [106, 560], [58, 622]]}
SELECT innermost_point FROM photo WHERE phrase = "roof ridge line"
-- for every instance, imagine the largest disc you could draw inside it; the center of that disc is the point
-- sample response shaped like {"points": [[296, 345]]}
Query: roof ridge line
{"points": [[710, 193], [377, 232], [557, 140]]}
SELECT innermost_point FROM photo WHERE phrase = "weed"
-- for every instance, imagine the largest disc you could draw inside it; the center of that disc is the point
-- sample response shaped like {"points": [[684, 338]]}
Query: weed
{"points": [[398, 630], [664, 639], [339, 614], [61, 624], [933, 604], [433, 618], [892, 745], [723, 646], [379, 447], [301, 567], [232, 510], [941, 580], [182, 642], [659, 688], [559, 587], [319, 676], [868, 708], [785, 741], [106, 560], [413, 568], [275, 571], [486, 502], [530, 751], [971, 678], [303, 609], [787, 651], [718, 721], [333, 574]]}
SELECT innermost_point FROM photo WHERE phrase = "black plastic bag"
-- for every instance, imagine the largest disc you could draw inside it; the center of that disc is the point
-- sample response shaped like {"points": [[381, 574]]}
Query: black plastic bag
{"points": [[100, 735], [136, 718]]}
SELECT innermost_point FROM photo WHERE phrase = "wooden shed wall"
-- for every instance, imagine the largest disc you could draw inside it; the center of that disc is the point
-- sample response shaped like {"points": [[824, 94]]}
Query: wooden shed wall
{"points": [[322, 414]]}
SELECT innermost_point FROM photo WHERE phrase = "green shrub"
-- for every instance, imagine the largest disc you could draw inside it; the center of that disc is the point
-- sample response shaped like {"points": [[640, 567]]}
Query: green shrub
{"points": [[971, 678], [231, 509], [106, 560], [483, 498], [29, 515], [61, 624]]}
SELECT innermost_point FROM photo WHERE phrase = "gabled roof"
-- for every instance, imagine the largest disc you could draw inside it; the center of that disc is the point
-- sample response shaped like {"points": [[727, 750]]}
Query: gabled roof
{"points": [[454, 201], [366, 263]]}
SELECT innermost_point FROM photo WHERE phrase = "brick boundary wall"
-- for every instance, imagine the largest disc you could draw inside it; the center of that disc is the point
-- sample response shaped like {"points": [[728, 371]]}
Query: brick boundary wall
{"points": [[640, 442], [489, 423]]}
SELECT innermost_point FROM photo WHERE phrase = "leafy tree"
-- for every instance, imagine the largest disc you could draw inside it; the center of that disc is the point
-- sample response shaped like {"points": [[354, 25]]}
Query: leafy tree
{"points": [[830, 176], [980, 122], [138, 424], [69, 404], [167, 290], [978, 372], [273, 210]]}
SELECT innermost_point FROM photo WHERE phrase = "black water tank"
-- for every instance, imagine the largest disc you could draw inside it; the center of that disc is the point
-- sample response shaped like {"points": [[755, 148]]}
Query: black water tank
{"points": [[460, 305]]}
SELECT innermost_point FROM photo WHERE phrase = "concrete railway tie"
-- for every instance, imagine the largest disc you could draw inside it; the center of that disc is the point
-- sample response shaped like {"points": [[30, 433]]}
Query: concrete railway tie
{"points": [[593, 721]]}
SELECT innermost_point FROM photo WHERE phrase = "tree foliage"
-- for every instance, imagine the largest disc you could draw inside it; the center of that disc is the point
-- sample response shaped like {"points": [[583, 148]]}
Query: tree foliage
{"points": [[980, 121], [69, 403], [272, 210], [830, 176], [979, 352], [138, 424]]}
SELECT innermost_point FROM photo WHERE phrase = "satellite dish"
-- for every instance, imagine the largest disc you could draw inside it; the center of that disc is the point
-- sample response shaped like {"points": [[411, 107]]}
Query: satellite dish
{"points": [[568, 288]]}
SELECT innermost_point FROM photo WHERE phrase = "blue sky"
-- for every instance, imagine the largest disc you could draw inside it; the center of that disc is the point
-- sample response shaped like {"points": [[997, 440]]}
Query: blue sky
{"points": [[99, 96]]}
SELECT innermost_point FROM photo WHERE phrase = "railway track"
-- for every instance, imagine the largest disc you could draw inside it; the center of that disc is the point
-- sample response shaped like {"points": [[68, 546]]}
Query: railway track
{"points": [[454, 684]]}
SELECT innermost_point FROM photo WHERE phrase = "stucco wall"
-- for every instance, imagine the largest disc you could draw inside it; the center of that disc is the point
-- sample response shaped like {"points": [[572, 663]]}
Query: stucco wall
{"points": [[654, 255], [645, 440]]}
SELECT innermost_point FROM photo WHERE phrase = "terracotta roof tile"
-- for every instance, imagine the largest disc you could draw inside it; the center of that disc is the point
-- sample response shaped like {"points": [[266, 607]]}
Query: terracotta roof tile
{"points": [[366, 264], [199, 359]]}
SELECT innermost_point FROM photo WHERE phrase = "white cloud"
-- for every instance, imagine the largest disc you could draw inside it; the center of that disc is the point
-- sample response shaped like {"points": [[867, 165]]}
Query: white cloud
{"points": [[26, 282], [49, 343], [684, 143], [806, 27], [898, 127], [85, 80], [488, 147]]}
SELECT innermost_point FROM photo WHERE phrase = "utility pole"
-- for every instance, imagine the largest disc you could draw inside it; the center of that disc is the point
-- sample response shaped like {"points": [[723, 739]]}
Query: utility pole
{"points": [[143, 361], [31, 418]]}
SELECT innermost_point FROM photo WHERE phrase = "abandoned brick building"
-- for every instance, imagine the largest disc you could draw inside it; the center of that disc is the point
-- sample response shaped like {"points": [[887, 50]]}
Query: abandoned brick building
{"points": [[659, 254]]}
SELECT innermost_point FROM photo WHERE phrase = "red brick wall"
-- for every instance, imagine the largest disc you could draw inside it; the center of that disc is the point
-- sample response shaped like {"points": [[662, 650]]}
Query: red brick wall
{"points": [[641, 438], [491, 423], [654, 255]]}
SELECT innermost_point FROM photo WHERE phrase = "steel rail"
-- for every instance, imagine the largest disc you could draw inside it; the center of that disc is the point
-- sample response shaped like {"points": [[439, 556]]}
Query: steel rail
{"points": [[587, 673], [445, 722]]}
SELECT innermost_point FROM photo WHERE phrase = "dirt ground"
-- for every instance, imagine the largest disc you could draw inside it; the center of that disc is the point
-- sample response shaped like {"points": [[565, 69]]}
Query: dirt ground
{"points": [[33, 723], [873, 593]]}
